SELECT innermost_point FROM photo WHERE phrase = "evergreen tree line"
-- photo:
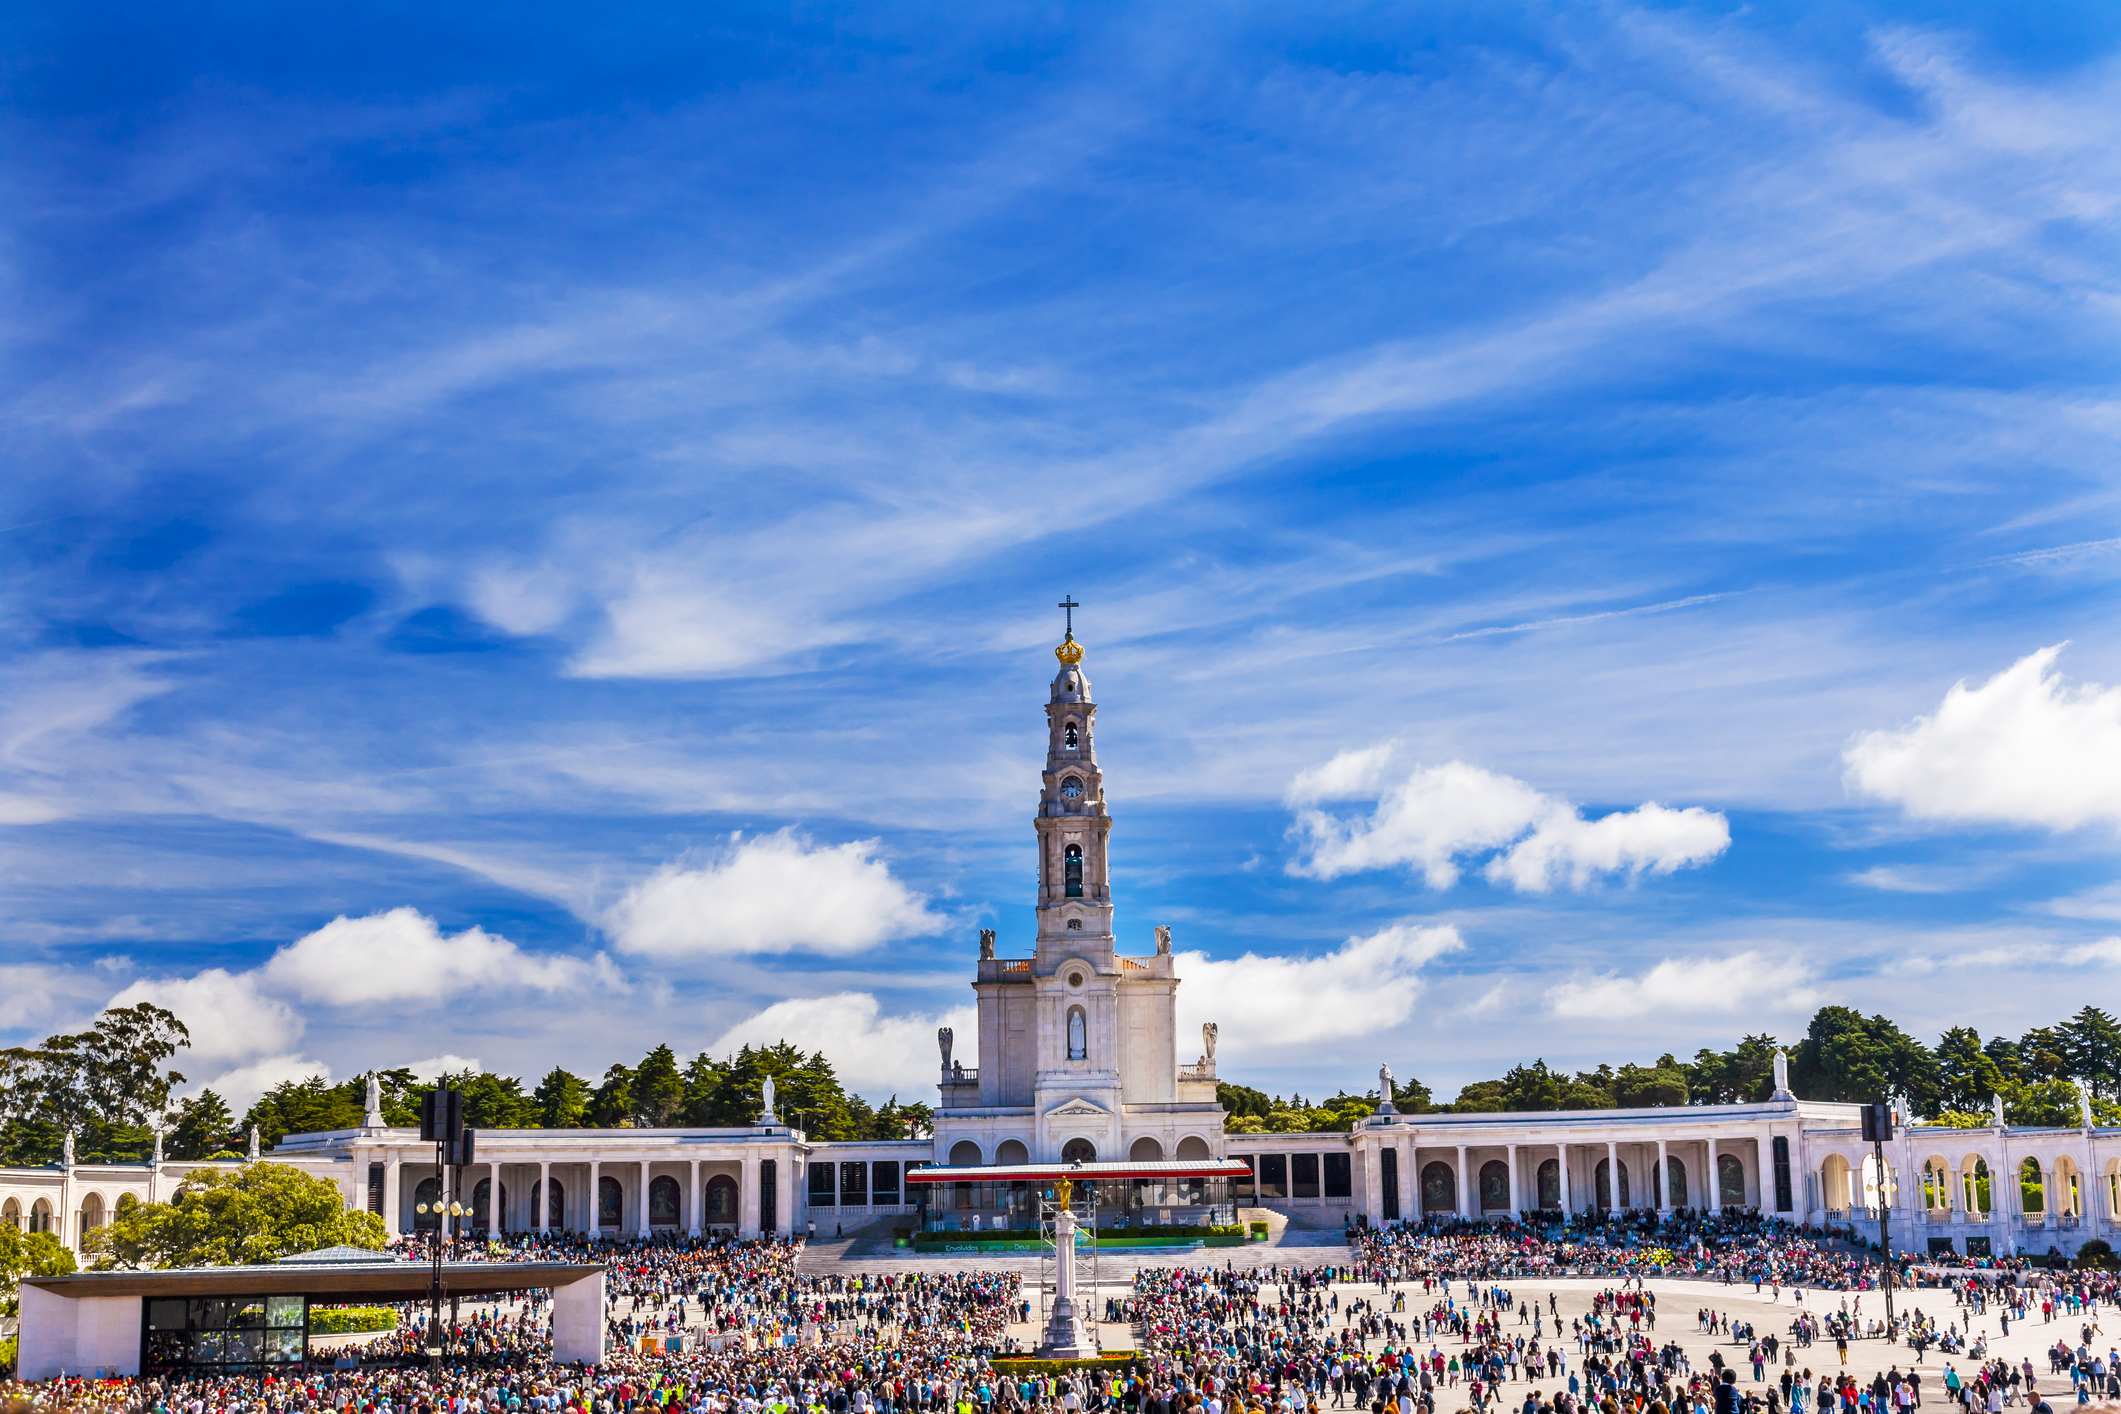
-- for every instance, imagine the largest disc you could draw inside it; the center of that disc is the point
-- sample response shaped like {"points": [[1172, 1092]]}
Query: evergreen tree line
{"points": [[1843, 1055]]}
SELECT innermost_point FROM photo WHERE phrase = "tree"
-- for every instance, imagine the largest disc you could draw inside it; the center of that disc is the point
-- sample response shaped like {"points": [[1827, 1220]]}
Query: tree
{"points": [[658, 1089], [611, 1107], [2091, 1043], [562, 1100], [305, 1107], [1966, 1075], [104, 1085], [2041, 1054], [219, 1217], [1642, 1087], [1847, 1056], [204, 1127], [1742, 1075], [704, 1078], [1242, 1100], [30, 1254]]}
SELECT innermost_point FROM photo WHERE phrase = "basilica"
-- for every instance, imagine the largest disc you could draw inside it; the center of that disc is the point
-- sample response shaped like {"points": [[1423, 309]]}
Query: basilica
{"points": [[1078, 1060]]}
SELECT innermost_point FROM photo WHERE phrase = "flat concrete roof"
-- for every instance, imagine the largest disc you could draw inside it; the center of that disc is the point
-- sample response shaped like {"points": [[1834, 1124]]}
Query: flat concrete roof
{"points": [[402, 1280], [1080, 1173]]}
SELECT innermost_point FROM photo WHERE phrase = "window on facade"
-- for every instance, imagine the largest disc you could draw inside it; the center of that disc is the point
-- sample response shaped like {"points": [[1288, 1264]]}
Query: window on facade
{"points": [[883, 1183], [611, 1199], [663, 1202], [1549, 1183], [854, 1183], [824, 1191], [1076, 924], [1388, 1172], [1303, 1174], [1074, 870], [1242, 1187], [721, 1199], [243, 1332], [1273, 1175], [1340, 1182], [1070, 737]]}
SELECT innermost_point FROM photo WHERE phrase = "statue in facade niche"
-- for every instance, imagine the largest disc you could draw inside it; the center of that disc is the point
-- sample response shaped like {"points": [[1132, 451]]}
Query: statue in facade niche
{"points": [[986, 945], [1163, 941]]}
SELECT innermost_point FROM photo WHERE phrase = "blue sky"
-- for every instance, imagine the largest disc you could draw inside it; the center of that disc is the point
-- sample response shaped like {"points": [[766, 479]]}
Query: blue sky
{"points": [[528, 535]]}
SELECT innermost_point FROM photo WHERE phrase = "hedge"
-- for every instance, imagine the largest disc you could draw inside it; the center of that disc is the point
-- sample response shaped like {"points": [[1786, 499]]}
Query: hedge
{"points": [[343, 1320], [1030, 1365]]}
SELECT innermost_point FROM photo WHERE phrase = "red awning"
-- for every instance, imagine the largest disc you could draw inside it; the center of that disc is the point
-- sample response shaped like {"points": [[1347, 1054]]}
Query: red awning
{"points": [[1082, 1173]]}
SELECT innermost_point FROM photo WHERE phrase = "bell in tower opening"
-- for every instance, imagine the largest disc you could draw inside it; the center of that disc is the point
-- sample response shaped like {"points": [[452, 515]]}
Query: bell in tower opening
{"points": [[1075, 871]]}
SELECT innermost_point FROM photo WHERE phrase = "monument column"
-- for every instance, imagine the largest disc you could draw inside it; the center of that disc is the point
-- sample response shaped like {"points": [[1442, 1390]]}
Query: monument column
{"points": [[1612, 1177], [1515, 1206], [543, 1202], [1465, 1186], [1715, 1180]]}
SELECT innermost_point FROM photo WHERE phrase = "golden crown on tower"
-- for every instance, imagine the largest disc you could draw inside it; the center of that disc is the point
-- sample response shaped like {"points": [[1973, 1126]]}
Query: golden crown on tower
{"points": [[1069, 652]]}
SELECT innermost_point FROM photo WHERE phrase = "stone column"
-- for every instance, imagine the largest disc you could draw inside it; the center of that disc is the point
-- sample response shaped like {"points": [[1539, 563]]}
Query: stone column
{"points": [[1465, 1186], [692, 1201], [595, 1197], [747, 1203], [1561, 1162], [641, 1208], [1714, 1179], [496, 1216], [1664, 1181], [1612, 1177], [1409, 1180], [544, 1198], [393, 1218], [1516, 1206]]}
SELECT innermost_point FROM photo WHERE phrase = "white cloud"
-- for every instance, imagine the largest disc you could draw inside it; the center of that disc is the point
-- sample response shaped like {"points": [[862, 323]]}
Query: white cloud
{"points": [[434, 1067], [772, 894], [1650, 839], [872, 1053], [36, 995], [2106, 950], [1743, 981], [2024, 748], [242, 1086], [26, 810], [230, 1019], [402, 956], [1440, 814], [1266, 1004]]}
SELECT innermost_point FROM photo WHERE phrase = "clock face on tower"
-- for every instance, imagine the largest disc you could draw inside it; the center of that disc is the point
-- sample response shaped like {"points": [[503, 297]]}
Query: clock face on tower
{"points": [[1071, 789]]}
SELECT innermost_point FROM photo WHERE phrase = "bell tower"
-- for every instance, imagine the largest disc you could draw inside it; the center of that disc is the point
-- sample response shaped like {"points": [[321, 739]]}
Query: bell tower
{"points": [[1074, 877]]}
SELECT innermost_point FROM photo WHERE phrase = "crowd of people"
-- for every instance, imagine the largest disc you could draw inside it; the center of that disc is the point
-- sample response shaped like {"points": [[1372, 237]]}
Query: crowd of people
{"points": [[1416, 1314]]}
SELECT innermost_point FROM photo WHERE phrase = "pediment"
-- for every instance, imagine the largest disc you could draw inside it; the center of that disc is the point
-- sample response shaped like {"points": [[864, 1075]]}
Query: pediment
{"points": [[1078, 1108]]}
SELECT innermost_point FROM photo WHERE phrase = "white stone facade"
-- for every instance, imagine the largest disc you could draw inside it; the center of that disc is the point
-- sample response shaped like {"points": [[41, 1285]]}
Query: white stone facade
{"points": [[1077, 1054]]}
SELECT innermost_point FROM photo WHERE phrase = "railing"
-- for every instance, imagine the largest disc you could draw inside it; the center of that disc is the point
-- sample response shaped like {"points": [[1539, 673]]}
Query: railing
{"points": [[1133, 964], [961, 1075], [1204, 1071], [1016, 964]]}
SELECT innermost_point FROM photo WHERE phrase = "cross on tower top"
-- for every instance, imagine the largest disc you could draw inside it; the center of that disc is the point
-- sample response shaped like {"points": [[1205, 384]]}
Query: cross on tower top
{"points": [[1071, 606]]}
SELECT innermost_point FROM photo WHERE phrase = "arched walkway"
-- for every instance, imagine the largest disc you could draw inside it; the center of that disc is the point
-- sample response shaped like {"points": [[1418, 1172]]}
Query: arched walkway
{"points": [[965, 1154], [1012, 1151], [1145, 1150], [1194, 1147], [1078, 1151]]}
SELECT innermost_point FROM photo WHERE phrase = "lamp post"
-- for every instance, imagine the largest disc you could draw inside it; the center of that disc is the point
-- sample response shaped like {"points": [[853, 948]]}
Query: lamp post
{"points": [[442, 1124]]}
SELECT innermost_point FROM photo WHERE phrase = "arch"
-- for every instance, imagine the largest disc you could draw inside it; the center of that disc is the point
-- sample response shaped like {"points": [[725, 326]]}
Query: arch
{"points": [[1975, 1185], [2032, 1187], [2110, 1183], [2068, 1187], [11, 1213], [1602, 1182], [1675, 1193], [1549, 1183], [1078, 1034], [126, 1203], [1071, 736], [721, 1201], [1011, 1151], [1937, 1185], [663, 1209], [555, 1203], [429, 1192], [482, 1214], [1880, 1186], [1834, 1184], [1072, 869], [1730, 1181], [1494, 1187], [1439, 1188], [1078, 1151], [965, 1154], [611, 1202], [40, 1215], [1145, 1150], [91, 1211]]}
